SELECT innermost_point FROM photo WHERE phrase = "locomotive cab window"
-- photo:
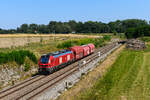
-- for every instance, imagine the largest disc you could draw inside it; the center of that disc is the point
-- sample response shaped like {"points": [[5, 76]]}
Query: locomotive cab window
{"points": [[44, 59]]}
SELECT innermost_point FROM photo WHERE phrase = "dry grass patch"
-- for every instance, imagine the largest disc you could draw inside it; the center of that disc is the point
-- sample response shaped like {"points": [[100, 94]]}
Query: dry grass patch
{"points": [[51, 35]]}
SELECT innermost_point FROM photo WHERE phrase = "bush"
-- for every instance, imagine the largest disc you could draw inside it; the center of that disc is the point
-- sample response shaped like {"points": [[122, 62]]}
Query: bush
{"points": [[115, 32], [26, 67], [98, 42], [65, 44], [17, 56], [145, 39], [107, 37]]}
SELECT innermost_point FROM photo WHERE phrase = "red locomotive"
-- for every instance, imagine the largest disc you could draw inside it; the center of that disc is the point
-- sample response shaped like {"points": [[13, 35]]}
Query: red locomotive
{"points": [[53, 61]]}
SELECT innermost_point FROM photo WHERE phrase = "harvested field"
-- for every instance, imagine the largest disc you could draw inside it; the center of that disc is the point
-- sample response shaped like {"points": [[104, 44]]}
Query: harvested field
{"points": [[7, 42], [15, 40], [45, 35]]}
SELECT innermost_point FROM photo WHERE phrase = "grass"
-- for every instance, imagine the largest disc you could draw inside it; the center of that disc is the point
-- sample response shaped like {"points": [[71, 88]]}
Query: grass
{"points": [[145, 39], [127, 79]]}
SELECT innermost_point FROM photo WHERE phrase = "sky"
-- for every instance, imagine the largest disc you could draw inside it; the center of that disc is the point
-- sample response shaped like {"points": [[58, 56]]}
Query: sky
{"points": [[13, 13]]}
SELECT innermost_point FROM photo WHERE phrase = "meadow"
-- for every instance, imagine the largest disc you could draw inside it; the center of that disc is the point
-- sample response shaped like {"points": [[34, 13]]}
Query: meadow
{"points": [[127, 79]]}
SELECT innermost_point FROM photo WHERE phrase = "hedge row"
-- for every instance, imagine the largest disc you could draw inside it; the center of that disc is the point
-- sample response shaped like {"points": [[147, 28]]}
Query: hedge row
{"points": [[17, 56], [97, 42]]}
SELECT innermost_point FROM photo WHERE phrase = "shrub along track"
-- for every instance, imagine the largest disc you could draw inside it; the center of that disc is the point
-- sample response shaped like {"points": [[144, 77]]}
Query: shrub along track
{"points": [[34, 86]]}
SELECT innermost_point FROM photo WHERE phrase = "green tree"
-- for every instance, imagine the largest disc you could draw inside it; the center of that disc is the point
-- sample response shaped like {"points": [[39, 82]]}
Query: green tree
{"points": [[73, 25], [43, 29], [23, 28], [32, 28]]}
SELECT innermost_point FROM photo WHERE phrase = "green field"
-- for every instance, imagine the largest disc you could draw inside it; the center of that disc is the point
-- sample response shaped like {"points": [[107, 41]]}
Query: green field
{"points": [[127, 79]]}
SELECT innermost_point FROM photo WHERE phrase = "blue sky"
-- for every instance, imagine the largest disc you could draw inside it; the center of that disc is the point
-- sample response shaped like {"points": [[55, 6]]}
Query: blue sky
{"points": [[13, 13]]}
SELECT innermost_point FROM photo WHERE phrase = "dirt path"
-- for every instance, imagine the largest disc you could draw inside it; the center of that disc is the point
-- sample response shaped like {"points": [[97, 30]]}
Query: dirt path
{"points": [[89, 80]]}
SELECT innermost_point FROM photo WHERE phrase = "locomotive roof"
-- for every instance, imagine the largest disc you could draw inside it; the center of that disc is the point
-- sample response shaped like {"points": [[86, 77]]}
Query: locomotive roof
{"points": [[57, 53]]}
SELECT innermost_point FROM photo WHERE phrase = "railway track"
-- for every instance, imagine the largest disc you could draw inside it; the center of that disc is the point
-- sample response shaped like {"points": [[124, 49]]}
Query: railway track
{"points": [[29, 88]]}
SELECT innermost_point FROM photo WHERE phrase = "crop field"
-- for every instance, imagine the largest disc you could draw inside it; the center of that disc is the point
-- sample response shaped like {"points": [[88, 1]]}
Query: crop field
{"points": [[15, 40], [127, 79]]}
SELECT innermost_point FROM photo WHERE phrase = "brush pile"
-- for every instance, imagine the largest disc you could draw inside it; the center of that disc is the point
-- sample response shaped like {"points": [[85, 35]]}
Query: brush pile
{"points": [[135, 44]]}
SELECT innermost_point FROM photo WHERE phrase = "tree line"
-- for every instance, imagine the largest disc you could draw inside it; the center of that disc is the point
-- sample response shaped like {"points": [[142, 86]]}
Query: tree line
{"points": [[72, 26], [138, 31]]}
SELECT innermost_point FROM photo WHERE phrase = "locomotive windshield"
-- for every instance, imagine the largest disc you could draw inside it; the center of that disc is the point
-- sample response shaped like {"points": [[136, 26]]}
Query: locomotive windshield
{"points": [[45, 59]]}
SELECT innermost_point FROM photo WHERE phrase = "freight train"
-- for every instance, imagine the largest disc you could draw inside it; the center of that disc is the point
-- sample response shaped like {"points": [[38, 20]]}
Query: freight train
{"points": [[48, 63]]}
